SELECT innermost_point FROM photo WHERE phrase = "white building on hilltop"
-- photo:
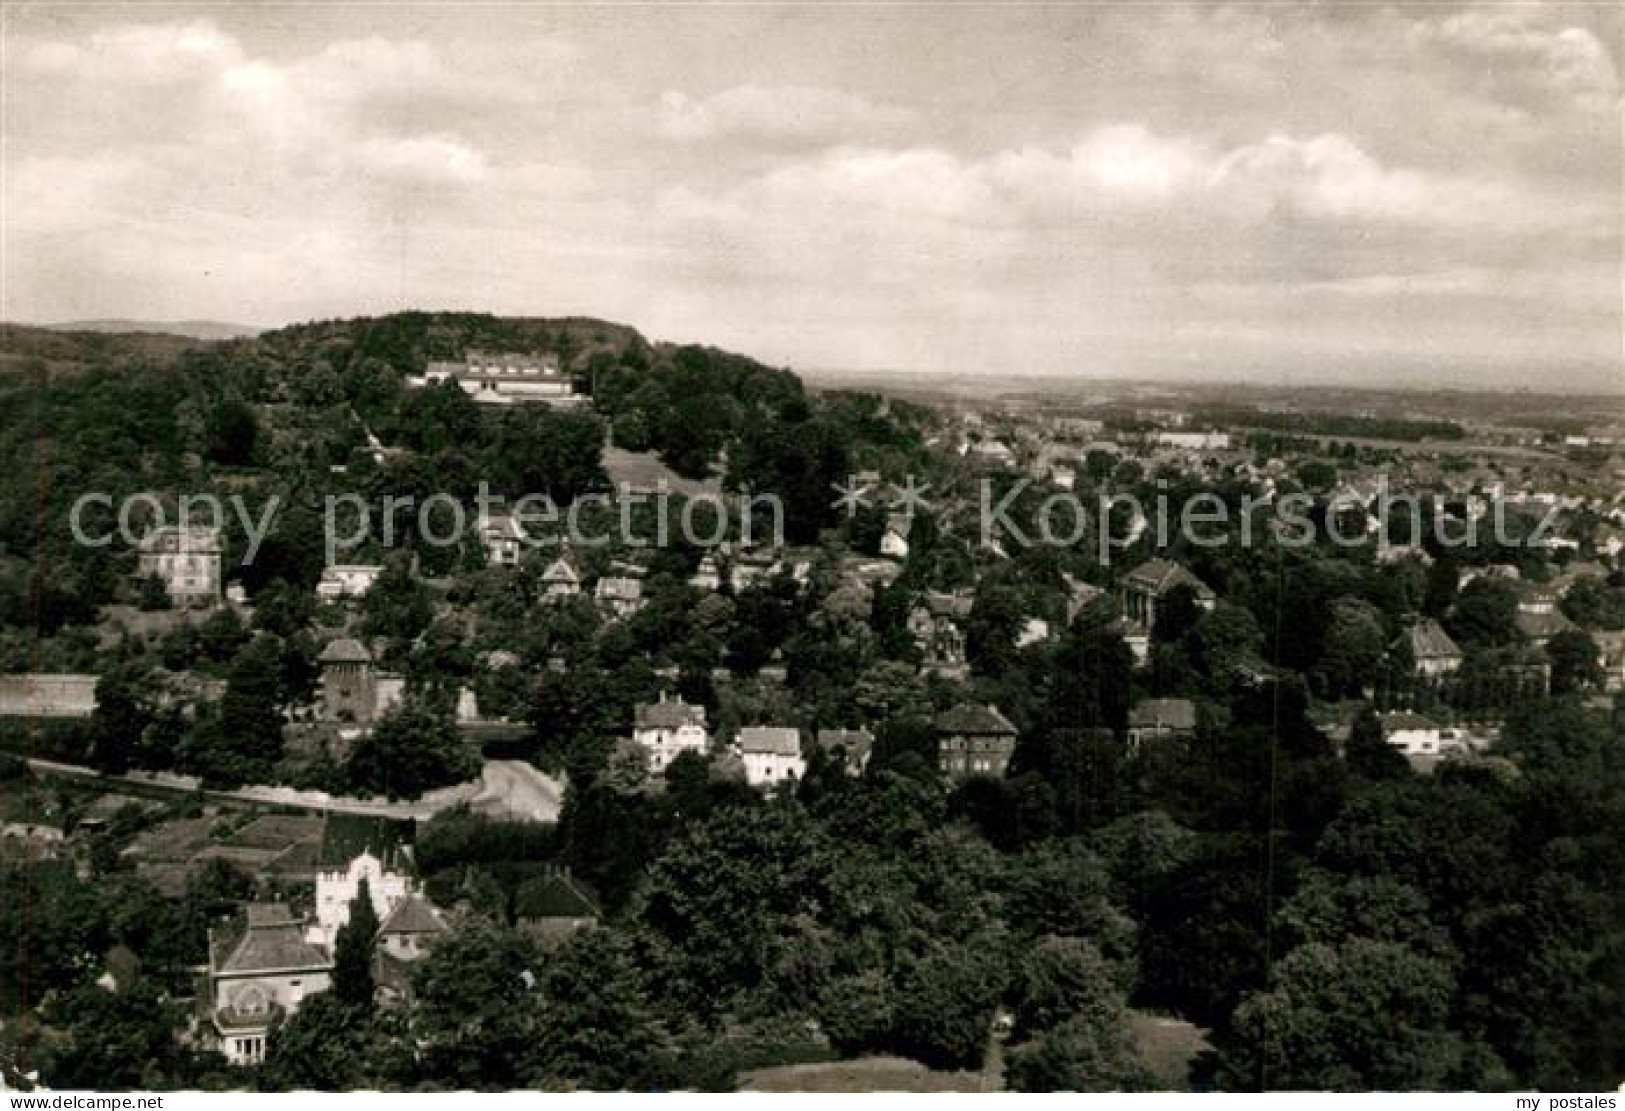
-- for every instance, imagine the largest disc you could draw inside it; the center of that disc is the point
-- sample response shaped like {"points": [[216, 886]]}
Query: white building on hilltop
{"points": [[506, 379], [335, 891]]}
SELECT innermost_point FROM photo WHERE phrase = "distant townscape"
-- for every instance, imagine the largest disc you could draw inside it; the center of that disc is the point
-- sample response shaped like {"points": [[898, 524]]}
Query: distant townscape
{"points": [[1139, 738]]}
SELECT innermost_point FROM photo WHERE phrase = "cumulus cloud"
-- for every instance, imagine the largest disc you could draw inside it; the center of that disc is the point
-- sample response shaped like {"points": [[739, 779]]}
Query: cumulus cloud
{"points": [[1523, 51], [1046, 189]]}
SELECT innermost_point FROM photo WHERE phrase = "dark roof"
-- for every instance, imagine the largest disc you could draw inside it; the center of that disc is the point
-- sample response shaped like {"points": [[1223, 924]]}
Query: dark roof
{"points": [[413, 915], [1163, 713], [971, 719], [1159, 576], [1428, 640], [780, 740], [345, 650], [668, 713], [269, 939], [956, 604], [1404, 719], [857, 742], [556, 895]]}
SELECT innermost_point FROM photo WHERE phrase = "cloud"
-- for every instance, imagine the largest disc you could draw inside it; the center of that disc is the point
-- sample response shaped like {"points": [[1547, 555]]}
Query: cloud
{"points": [[776, 114], [1522, 52], [423, 159], [1127, 168]]}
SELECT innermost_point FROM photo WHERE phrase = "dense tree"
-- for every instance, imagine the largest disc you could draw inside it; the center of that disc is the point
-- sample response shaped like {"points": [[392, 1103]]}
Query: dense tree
{"points": [[413, 748], [1364, 1015]]}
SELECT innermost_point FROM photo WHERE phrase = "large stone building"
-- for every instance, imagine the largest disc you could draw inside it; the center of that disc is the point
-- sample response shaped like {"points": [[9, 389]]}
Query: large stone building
{"points": [[186, 559]]}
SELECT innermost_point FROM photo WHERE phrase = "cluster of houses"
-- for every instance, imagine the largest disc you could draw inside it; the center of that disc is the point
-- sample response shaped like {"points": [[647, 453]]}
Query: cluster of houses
{"points": [[268, 960]]}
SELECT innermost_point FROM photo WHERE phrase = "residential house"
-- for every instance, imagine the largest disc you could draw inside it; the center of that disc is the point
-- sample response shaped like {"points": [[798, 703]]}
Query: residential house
{"points": [[186, 559], [503, 539], [621, 596], [554, 906], [560, 579], [1084, 599], [411, 929], [1152, 582], [1161, 717], [347, 580], [1538, 619], [708, 575], [1034, 630], [894, 542], [335, 891], [668, 728], [1433, 653], [1611, 655], [974, 739], [771, 754], [851, 746], [260, 970], [934, 625], [1412, 734]]}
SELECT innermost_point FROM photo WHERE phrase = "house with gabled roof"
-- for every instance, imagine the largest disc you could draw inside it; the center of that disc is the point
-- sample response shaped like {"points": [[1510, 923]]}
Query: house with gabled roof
{"points": [[1152, 582], [669, 727], [1433, 653], [554, 906], [974, 739], [503, 538], [260, 970], [852, 747], [771, 755], [560, 579], [411, 928], [621, 595], [1152, 718]]}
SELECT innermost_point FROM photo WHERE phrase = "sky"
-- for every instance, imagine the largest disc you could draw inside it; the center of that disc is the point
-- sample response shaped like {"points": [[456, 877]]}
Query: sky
{"points": [[1355, 192]]}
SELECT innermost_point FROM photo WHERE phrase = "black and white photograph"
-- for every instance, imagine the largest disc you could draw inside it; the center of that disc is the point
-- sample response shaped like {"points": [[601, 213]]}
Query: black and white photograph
{"points": [[780, 547]]}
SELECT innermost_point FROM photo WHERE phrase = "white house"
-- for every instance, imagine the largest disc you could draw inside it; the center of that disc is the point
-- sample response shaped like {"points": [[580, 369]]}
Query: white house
{"points": [[260, 971], [503, 539], [561, 580], [772, 755], [335, 891], [185, 558], [894, 543], [506, 378], [1412, 734], [347, 580], [668, 728]]}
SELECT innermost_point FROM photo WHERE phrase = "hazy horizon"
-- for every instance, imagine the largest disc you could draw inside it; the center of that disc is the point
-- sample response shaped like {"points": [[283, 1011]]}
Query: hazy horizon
{"points": [[1394, 197]]}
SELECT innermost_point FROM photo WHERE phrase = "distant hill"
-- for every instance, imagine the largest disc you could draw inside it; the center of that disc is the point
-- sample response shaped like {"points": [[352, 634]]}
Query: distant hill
{"points": [[191, 329], [65, 353]]}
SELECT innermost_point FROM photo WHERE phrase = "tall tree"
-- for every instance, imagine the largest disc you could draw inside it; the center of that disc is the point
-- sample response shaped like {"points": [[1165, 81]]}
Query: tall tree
{"points": [[353, 952]]}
